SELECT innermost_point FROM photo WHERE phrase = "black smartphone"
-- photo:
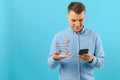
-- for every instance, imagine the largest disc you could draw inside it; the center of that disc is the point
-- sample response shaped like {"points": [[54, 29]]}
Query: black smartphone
{"points": [[83, 51]]}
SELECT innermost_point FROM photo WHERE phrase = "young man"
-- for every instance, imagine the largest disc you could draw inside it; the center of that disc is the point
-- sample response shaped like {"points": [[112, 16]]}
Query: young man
{"points": [[66, 46]]}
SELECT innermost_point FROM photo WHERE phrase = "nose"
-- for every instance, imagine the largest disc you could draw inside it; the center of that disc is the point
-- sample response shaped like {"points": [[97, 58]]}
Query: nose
{"points": [[77, 23]]}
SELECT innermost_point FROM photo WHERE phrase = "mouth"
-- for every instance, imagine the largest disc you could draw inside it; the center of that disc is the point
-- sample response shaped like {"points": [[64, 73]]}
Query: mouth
{"points": [[78, 27]]}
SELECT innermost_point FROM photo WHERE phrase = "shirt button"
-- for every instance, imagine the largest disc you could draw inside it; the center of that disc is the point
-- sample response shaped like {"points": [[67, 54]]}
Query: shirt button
{"points": [[77, 36]]}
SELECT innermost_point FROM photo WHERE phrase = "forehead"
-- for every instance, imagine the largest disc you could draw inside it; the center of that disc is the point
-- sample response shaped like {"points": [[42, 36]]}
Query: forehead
{"points": [[74, 15]]}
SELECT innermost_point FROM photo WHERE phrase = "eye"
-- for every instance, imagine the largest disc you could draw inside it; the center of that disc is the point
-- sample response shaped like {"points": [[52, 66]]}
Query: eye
{"points": [[81, 20], [73, 20]]}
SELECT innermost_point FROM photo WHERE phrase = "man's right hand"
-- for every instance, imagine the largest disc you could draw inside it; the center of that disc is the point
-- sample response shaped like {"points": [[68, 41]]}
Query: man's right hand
{"points": [[58, 56]]}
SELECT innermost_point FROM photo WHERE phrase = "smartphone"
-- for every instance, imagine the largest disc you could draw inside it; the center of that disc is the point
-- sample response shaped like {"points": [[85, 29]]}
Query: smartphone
{"points": [[83, 51]]}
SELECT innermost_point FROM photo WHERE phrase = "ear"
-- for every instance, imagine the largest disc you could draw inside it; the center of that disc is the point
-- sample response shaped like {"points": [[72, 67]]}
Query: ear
{"points": [[85, 15], [68, 17]]}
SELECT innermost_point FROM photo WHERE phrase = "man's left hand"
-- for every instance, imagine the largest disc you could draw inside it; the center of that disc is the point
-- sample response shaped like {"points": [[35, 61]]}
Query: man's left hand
{"points": [[86, 57]]}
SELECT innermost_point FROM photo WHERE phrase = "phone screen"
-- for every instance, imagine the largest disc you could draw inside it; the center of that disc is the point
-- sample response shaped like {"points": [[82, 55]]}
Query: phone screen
{"points": [[83, 51]]}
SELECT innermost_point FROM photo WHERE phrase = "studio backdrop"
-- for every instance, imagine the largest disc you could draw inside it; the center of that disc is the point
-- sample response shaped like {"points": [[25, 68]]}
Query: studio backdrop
{"points": [[27, 28]]}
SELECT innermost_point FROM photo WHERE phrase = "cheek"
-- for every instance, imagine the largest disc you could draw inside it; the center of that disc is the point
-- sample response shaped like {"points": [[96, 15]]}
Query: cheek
{"points": [[72, 23], [81, 23]]}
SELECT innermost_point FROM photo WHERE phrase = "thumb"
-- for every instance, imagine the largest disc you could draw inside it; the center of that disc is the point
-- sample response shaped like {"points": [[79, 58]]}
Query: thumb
{"points": [[55, 53], [69, 54]]}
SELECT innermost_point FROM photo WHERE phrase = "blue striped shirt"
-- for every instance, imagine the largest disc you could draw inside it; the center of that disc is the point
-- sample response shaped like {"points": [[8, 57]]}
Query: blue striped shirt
{"points": [[73, 68]]}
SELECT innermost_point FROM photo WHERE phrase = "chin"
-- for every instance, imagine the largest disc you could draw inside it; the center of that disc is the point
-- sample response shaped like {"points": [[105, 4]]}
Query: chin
{"points": [[77, 30]]}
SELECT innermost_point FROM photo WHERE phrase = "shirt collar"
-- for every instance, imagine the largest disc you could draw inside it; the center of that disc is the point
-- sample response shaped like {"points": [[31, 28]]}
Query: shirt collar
{"points": [[81, 32]]}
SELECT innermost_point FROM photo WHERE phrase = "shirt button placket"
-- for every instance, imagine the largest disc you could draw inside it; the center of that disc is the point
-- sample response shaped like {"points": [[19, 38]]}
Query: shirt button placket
{"points": [[78, 62]]}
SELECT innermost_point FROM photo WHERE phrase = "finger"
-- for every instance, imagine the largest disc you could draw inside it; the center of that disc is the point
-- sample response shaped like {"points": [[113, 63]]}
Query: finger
{"points": [[80, 56], [64, 55], [87, 55], [69, 54], [55, 53]]}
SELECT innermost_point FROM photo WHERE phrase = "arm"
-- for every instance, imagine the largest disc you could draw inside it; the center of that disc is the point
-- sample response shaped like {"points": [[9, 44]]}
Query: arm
{"points": [[51, 62], [99, 57], [54, 56]]}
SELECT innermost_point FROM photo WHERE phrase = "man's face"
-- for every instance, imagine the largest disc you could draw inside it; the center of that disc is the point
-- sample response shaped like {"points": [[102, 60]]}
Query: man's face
{"points": [[76, 21]]}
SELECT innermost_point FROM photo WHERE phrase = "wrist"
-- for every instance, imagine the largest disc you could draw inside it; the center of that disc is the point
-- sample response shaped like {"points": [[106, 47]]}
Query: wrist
{"points": [[91, 60], [55, 58]]}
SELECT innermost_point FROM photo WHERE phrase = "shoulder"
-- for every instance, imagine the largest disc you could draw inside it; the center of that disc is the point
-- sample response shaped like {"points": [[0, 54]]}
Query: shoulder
{"points": [[90, 32], [62, 33]]}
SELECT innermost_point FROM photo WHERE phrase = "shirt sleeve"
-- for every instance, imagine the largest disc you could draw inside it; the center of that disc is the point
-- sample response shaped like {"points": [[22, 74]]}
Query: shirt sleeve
{"points": [[99, 56], [51, 62]]}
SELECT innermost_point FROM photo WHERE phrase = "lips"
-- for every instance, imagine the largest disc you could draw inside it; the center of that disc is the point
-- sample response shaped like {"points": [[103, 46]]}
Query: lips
{"points": [[77, 27]]}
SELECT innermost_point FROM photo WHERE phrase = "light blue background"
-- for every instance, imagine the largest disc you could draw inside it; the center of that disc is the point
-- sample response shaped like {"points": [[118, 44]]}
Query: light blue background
{"points": [[27, 28]]}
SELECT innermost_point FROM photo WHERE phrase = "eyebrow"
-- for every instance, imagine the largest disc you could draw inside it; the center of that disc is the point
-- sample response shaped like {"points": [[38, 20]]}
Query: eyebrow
{"points": [[79, 19]]}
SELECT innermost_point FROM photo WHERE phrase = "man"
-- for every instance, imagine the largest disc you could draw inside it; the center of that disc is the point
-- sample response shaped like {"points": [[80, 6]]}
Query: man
{"points": [[67, 44]]}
